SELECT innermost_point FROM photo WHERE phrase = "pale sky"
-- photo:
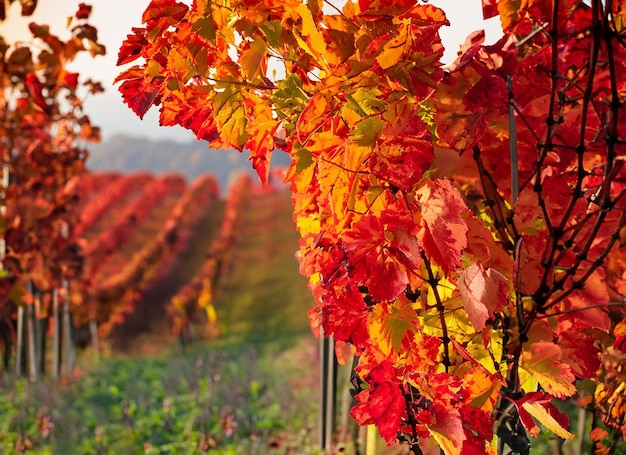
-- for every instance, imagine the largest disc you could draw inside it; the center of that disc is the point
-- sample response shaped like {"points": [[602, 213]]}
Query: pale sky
{"points": [[114, 20]]}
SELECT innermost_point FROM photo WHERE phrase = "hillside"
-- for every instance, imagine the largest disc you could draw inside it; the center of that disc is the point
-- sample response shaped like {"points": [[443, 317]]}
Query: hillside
{"points": [[122, 153]]}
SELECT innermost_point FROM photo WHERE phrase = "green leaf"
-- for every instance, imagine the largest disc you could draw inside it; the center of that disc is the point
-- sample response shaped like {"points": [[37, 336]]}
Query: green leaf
{"points": [[368, 130], [304, 158], [16, 294], [230, 116], [205, 27], [366, 101], [273, 32]]}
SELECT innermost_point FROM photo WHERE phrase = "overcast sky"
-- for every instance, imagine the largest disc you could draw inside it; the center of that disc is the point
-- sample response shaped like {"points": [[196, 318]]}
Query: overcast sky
{"points": [[114, 20]]}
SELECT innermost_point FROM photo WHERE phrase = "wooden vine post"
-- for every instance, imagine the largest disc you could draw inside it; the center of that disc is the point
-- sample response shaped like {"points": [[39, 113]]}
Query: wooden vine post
{"points": [[6, 332], [328, 392], [56, 335]]}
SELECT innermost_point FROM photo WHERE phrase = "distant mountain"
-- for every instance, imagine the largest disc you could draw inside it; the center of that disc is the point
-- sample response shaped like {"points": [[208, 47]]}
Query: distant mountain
{"points": [[124, 153]]}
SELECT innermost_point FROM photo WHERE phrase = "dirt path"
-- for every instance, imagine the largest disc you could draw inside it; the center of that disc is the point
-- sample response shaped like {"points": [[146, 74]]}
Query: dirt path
{"points": [[145, 330]]}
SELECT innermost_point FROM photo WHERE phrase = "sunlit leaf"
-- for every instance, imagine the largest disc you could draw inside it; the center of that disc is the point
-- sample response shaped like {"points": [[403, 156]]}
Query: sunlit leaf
{"points": [[543, 362]]}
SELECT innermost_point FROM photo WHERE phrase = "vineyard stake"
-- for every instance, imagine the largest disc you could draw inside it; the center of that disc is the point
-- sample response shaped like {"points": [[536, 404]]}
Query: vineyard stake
{"points": [[56, 342], [67, 327], [30, 330], [20, 341]]}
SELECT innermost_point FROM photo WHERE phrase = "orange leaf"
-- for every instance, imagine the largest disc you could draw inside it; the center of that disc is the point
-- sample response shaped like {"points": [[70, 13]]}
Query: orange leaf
{"points": [[252, 60], [543, 362]]}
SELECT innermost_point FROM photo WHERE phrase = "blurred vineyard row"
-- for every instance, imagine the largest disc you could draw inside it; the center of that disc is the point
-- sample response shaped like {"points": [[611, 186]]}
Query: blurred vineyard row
{"points": [[129, 232]]}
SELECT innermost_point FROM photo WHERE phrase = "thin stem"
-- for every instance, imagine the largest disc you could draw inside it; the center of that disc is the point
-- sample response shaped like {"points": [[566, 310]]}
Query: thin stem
{"points": [[433, 283], [513, 141]]}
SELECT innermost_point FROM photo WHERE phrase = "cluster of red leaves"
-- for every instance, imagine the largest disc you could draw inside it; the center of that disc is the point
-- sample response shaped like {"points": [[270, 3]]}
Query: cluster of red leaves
{"points": [[462, 279], [41, 123]]}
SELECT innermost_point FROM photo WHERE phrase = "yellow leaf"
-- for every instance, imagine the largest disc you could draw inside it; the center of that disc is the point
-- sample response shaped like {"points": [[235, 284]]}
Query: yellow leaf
{"points": [[179, 66], [230, 116], [393, 325], [211, 313], [509, 13], [206, 295], [311, 40], [539, 412], [619, 17], [395, 49], [252, 59]]}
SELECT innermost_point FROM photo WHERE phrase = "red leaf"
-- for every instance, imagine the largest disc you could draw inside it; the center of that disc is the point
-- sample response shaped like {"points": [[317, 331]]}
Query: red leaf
{"points": [[402, 165], [83, 11], [581, 303], [384, 7], [483, 292], [580, 353], [28, 7], [490, 9], [170, 9], [132, 46], [139, 94], [382, 404], [342, 314], [69, 80], [381, 250], [35, 90], [195, 113], [444, 229]]}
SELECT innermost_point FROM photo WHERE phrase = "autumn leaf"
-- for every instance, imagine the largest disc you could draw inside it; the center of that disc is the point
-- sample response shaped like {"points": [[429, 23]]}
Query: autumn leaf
{"points": [[395, 326], [483, 292], [444, 229], [252, 59], [83, 11], [580, 353], [138, 93], [490, 9], [619, 15], [544, 363], [539, 406], [382, 8], [448, 431], [394, 49], [382, 404], [230, 116], [170, 9], [368, 130], [379, 247], [310, 39], [509, 11], [35, 90]]}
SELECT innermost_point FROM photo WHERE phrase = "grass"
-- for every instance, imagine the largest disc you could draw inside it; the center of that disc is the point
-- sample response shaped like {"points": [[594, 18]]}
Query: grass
{"points": [[243, 399]]}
